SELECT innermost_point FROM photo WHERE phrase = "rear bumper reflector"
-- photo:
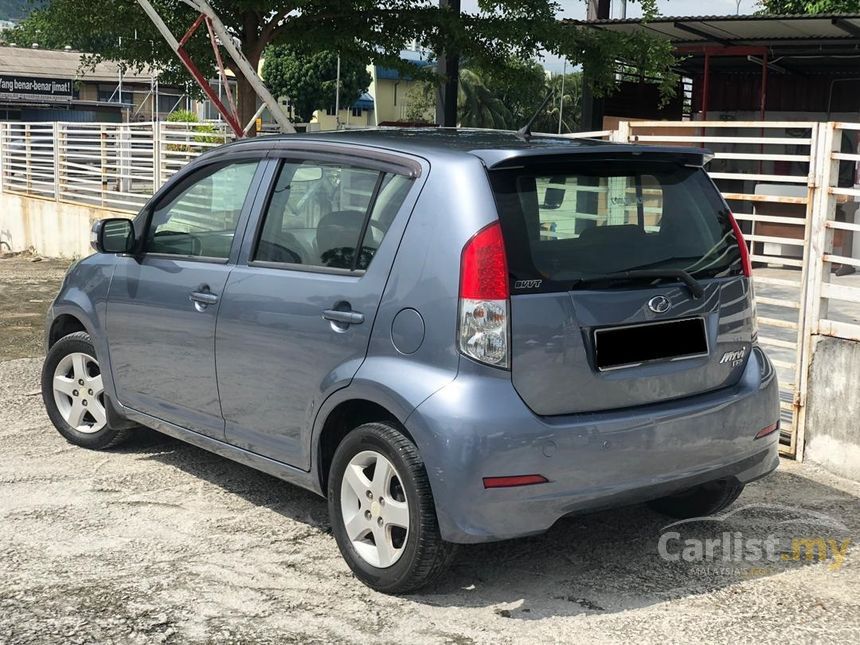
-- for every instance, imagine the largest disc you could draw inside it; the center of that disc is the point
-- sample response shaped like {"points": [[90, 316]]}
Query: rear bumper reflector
{"points": [[773, 427], [515, 480]]}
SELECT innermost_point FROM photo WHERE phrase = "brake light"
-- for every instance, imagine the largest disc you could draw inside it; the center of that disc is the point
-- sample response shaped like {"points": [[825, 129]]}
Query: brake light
{"points": [[742, 246], [483, 330]]}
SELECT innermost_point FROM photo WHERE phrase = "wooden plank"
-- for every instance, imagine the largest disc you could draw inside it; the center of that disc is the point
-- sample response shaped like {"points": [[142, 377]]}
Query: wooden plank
{"points": [[789, 365], [775, 141], [775, 219], [788, 262], [838, 329], [841, 259], [774, 199], [840, 292], [848, 192], [843, 226], [776, 302], [775, 342], [779, 282], [774, 240], [747, 176], [845, 156], [752, 156], [776, 322], [794, 125]]}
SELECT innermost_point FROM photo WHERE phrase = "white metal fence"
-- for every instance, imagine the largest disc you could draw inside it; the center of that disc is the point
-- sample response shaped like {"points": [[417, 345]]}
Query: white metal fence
{"points": [[791, 185], [111, 165]]}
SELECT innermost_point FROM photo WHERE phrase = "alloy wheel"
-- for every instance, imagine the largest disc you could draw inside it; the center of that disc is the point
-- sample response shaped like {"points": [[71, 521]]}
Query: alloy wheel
{"points": [[79, 392], [374, 508]]}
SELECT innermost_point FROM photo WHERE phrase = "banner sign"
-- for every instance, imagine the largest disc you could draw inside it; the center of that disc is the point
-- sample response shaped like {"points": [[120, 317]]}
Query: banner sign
{"points": [[32, 87]]}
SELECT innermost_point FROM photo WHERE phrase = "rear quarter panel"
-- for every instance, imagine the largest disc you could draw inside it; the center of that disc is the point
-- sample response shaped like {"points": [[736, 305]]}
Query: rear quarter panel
{"points": [[455, 202]]}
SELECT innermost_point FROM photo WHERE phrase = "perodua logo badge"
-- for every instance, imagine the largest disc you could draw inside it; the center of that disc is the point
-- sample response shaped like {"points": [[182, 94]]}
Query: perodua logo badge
{"points": [[659, 304]]}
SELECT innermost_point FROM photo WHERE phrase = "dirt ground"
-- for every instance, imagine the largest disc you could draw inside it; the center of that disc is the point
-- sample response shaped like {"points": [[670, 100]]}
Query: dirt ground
{"points": [[27, 286], [161, 542]]}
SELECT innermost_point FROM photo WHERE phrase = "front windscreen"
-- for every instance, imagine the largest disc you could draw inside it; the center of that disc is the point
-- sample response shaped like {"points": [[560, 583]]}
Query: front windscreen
{"points": [[566, 222]]}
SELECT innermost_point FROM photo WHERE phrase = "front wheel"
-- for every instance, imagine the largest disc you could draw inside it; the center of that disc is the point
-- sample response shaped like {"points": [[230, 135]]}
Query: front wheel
{"points": [[74, 396], [382, 511]]}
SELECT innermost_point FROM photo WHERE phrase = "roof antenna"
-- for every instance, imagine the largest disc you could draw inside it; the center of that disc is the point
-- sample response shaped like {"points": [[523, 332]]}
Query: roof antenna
{"points": [[526, 131]]}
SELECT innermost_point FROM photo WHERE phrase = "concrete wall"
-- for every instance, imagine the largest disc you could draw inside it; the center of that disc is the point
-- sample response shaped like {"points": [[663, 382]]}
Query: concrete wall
{"points": [[833, 412], [50, 228]]}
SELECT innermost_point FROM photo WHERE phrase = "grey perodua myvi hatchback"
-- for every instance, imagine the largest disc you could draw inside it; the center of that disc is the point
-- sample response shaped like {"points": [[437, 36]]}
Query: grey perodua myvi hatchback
{"points": [[455, 336]]}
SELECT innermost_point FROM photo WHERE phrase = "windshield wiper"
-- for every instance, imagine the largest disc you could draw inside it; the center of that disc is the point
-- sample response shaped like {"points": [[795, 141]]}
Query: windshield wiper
{"points": [[696, 289]]}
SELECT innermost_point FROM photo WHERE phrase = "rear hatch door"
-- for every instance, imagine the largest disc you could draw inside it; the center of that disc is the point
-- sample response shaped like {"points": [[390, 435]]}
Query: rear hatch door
{"points": [[600, 317]]}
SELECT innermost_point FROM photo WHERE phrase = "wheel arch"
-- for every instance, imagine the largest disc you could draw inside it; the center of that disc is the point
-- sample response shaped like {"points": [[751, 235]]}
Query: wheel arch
{"points": [[63, 325], [343, 418]]}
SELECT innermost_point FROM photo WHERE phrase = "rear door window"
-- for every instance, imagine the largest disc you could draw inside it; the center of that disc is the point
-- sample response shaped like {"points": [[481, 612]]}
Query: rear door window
{"points": [[329, 215], [563, 223]]}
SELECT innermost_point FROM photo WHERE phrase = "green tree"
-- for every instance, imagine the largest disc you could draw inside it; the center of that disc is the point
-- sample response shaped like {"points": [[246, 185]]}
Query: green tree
{"points": [[519, 85], [310, 79], [788, 7], [507, 97], [373, 30], [571, 99], [478, 106], [421, 103]]}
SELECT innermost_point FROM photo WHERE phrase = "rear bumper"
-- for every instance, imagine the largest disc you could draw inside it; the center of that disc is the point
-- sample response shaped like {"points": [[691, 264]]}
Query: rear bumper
{"points": [[478, 426]]}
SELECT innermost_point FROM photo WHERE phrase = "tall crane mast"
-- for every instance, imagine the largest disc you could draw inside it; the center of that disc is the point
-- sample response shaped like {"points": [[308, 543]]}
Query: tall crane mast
{"points": [[218, 34]]}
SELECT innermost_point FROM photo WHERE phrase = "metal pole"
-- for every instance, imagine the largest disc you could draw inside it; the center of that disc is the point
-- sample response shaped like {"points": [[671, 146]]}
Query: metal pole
{"points": [[449, 68], [120, 76], [238, 57], [706, 86], [561, 96], [337, 96]]}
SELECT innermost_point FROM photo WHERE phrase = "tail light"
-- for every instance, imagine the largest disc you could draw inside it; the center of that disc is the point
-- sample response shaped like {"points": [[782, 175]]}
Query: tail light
{"points": [[742, 246], [484, 307], [746, 265]]}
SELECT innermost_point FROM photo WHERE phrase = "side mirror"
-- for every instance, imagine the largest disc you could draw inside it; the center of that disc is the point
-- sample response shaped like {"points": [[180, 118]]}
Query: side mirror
{"points": [[114, 235]]}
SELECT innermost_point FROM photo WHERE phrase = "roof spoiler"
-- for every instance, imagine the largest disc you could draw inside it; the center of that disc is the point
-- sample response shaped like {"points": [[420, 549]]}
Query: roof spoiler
{"points": [[693, 157]]}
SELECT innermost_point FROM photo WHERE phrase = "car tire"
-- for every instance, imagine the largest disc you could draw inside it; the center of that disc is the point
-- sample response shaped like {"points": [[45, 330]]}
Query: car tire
{"points": [[74, 396], [376, 460], [703, 500]]}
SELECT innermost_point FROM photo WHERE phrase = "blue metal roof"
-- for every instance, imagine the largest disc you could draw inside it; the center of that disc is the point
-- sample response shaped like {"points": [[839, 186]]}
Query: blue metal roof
{"points": [[365, 102]]}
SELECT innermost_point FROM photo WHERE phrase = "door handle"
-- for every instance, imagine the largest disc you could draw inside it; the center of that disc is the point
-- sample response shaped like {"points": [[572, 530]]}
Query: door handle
{"points": [[343, 317], [203, 298]]}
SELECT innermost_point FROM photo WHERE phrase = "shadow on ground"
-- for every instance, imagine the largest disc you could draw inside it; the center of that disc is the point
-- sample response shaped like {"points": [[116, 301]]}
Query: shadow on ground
{"points": [[597, 563]]}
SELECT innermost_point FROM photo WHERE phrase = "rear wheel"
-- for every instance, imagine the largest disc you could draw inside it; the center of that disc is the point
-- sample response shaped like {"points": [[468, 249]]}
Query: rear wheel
{"points": [[74, 396], [382, 511], [706, 499]]}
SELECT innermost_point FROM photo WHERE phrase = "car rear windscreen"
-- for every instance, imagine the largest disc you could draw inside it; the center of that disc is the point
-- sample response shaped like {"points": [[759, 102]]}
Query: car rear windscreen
{"points": [[564, 222]]}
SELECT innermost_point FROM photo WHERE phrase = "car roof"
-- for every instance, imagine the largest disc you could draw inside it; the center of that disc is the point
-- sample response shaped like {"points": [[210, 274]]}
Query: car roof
{"points": [[495, 148]]}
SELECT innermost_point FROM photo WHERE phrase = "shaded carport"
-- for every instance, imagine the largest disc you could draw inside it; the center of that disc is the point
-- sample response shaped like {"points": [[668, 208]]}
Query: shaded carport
{"points": [[759, 63]]}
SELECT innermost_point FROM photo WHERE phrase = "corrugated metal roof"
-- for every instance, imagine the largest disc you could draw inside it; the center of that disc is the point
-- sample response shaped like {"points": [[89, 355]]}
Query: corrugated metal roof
{"points": [[51, 63], [741, 30]]}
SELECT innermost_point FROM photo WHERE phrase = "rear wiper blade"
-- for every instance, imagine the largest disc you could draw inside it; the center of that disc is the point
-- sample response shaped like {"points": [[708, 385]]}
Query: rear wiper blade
{"points": [[696, 289]]}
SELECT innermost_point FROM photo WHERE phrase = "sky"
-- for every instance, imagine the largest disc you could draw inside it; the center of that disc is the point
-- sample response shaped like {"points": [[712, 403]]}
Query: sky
{"points": [[575, 9]]}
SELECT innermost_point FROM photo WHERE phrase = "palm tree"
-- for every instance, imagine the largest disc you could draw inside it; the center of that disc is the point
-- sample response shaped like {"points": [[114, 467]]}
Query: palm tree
{"points": [[478, 107]]}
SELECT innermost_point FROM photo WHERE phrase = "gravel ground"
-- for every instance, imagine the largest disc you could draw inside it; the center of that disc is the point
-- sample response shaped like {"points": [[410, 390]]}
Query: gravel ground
{"points": [[163, 542], [159, 541], [27, 286]]}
